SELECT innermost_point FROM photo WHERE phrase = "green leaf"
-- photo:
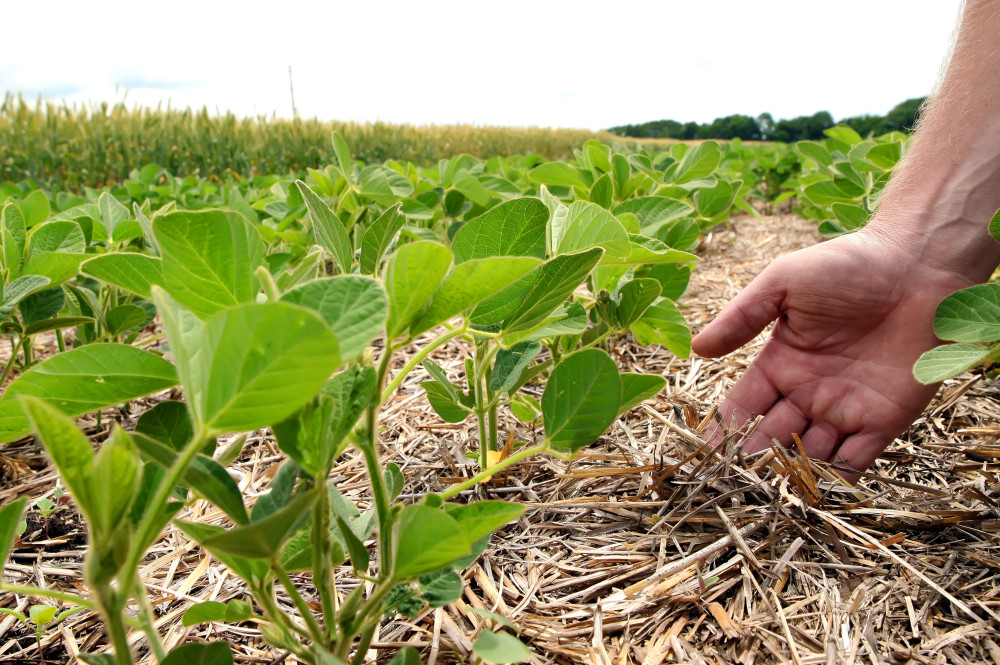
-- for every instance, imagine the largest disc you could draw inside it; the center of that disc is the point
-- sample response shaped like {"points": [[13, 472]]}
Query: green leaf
{"points": [[69, 451], [970, 315], [35, 207], [500, 648], [411, 277], [673, 279], [204, 475], [603, 191], [133, 272], [662, 323], [379, 237], [850, 216], [56, 323], [204, 612], [426, 539], [57, 266], [480, 519], [525, 408], [589, 225], [262, 539], [513, 228], [383, 185], [947, 361], [827, 192], [125, 318], [279, 493], [210, 653], [328, 229], [443, 403], [57, 236], [249, 366], [170, 423], [248, 569], [634, 298], [209, 258], [268, 360], [394, 481], [510, 363], [995, 226], [699, 161], [547, 287], [654, 212], [469, 284], [10, 517], [441, 587], [94, 376], [356, 549], [843, 133], [815, 151], [112, 211], [715, 201], [115, 482], [355, 307], [560, 174], [581, 399], [41, 615], [42, 305], [20, 288], [637, 388]]}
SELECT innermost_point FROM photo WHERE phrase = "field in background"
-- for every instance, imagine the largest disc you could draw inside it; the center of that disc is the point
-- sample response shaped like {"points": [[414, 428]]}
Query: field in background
{"points": [[71, 147]]}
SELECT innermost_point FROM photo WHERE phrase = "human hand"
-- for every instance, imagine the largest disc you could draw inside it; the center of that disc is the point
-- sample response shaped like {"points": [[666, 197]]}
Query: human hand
{"points": [[853, 314]]}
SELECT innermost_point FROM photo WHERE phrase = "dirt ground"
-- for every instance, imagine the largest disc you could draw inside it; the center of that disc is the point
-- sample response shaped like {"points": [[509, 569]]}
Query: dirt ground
{"points": [[646, 549]]}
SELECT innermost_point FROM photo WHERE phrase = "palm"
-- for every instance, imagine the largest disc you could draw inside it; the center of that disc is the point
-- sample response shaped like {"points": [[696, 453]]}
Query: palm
{"points": [[838, 367]]}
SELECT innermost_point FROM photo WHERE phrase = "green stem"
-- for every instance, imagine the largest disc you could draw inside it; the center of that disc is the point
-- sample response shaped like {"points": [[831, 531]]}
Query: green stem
{"points": [[147, 623], [148, 527], [314, 628], [25, 590], [496, 468], [14, 348], [60, 342], [109, 607], [417, 359], [374, 467], [323, 579], [363, 644]]}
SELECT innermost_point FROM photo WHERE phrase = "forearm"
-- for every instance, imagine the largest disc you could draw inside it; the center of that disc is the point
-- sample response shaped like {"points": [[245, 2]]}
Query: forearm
{"points": [[942, 195]]}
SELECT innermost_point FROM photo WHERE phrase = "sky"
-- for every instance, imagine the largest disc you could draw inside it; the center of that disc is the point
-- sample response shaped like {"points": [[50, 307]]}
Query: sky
{"points": [[542, 63]]}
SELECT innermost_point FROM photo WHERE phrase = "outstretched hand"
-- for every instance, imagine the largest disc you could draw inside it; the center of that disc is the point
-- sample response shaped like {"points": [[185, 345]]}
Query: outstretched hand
{"points": [[853, 315]]}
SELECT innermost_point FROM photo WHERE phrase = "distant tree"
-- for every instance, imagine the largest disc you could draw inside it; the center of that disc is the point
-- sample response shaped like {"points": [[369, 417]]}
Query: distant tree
{"points": [[903, 116], [764, 127]]}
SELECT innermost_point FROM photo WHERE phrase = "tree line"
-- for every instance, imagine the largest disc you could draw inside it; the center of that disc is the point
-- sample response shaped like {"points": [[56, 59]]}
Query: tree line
{"points": [[764, 127]]}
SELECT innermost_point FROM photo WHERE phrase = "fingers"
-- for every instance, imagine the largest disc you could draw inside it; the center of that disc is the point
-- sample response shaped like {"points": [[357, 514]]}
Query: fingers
{"points": [[857, 453], [744, 317], [783, 419]]}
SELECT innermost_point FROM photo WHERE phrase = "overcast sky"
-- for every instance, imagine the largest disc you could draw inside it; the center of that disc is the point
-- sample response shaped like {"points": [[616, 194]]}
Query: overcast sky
{"points": [[539, 63]]}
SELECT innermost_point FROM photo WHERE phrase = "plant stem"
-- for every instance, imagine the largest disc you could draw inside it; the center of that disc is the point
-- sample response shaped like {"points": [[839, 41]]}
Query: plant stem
{"points": [[151, 518], [14, 348], [363, 644], [323, 579], [48, 593], [147, 623], [496, 468], [374, 466], [314, 628], [418, 358], [110, 609]]}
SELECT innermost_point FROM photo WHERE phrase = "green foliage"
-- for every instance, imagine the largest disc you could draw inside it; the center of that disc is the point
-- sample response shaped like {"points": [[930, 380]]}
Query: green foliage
{"points": [[971, 318], [283, 302]]}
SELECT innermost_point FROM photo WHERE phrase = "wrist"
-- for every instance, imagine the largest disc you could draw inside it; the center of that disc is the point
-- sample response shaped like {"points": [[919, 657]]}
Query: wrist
{"points": [[940, 238]]}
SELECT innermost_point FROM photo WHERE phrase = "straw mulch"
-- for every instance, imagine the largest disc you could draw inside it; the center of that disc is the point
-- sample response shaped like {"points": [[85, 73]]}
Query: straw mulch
{"points": [[647, 548]]}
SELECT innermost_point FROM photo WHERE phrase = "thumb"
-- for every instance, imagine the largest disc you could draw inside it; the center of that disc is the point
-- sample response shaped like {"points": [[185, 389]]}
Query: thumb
{"points": [[745, 316]]}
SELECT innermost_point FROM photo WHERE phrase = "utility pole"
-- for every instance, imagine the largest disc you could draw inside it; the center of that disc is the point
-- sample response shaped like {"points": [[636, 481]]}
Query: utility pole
{"points": [[291, 89]]}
